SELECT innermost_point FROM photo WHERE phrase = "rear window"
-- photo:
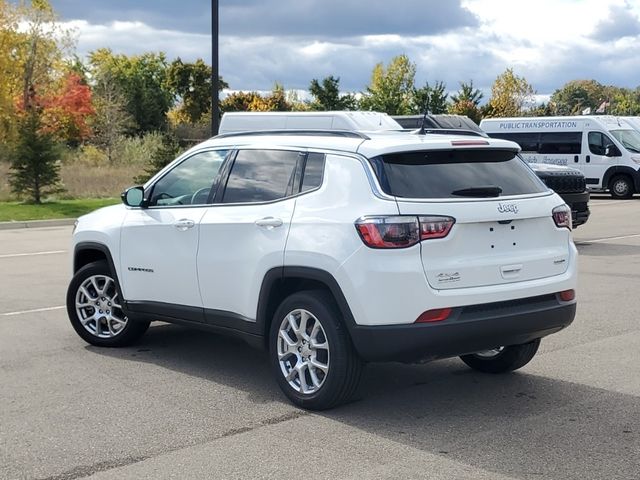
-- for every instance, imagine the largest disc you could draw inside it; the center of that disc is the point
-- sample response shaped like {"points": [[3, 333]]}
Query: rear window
{"points": [[440, 173]]}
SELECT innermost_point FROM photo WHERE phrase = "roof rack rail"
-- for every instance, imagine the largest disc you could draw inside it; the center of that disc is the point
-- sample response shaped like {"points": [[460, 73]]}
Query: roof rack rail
{"points": [[451, 131], [294, 132]]}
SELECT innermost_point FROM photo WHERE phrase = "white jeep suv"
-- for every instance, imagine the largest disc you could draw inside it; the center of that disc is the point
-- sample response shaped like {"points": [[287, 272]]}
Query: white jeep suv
{"points": [[333, 248]]}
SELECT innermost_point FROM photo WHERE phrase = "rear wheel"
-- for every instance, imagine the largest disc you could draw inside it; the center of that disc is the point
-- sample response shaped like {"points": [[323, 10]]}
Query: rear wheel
{"points": [[95, 310], [311, 353], [502, 359], [621, 187]]}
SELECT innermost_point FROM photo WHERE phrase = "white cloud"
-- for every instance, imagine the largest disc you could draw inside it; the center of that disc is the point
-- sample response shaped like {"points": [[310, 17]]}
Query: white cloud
{"points": [[550, 42]]}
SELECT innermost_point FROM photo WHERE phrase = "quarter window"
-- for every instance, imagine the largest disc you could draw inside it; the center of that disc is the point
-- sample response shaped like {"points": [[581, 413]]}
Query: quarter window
{"points": [[190, 182], [313, 171], [261, 176]]}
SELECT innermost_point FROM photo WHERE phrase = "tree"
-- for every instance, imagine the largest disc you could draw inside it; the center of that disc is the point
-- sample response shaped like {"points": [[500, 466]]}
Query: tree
{"points": [[142, 80], [433, 99], [326, 95], [32, 46], [239, 101], [168, 152], [276, 101], [34, 165], [191, 85], [112, 119], [392, 88], [511, 95], [577, 96], [66, 113], [467, 102], [468, 93]]}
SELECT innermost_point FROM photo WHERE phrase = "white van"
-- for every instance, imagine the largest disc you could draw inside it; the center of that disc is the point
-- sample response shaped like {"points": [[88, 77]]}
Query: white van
{"points": [[605, 148], [233, 122]]}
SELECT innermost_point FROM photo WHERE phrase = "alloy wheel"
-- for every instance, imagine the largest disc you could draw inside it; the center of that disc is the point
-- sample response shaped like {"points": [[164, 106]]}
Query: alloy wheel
{"points": [[98, 307], [303, 351]]}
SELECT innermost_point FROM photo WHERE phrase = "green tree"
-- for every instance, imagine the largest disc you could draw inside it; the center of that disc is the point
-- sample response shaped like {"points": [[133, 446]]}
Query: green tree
{"points": [[35, 169], [623, 101], [191, 85], [433, 98], [577, 95], [468, 93], [326, 95], [391, 89], [511, 95], [467, 102], [167, 152], [142, 80]]}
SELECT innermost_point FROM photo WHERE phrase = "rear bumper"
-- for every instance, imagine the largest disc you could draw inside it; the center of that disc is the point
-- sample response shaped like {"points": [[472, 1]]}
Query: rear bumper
{"points": [[468, 330]]}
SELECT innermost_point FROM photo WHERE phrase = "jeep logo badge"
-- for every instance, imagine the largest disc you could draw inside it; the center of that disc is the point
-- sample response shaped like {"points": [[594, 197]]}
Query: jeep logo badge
{"points": [[507, 208]]}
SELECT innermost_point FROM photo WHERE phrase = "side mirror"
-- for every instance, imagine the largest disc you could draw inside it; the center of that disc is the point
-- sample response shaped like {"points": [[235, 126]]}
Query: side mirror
{"points": [[134, 197], [612, 151]]}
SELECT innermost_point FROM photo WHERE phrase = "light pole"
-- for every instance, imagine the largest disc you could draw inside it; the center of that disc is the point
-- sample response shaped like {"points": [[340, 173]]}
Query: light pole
{"points": [[215, 76]]}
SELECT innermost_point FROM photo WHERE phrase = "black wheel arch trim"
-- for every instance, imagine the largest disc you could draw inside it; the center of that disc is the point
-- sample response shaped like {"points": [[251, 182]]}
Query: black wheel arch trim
{"points": [[280, 274], [102, 248], [86, 246], [622, 170]]}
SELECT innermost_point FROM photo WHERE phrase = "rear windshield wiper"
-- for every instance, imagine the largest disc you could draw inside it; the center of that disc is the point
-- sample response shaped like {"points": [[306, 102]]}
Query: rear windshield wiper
{"points": [[487, 191]]}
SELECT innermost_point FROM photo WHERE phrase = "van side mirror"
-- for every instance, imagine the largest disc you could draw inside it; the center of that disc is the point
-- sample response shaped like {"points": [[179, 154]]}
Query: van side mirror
{"points": [[134, 197], [612, 151]]}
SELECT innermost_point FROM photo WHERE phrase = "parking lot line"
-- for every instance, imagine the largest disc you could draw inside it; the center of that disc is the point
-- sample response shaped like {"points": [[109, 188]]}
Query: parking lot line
{"points": [[607, 239], [12, 255], [35, 310]]}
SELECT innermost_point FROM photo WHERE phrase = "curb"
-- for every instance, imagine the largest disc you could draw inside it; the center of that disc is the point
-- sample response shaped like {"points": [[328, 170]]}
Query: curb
{"points": [[37, 223]]}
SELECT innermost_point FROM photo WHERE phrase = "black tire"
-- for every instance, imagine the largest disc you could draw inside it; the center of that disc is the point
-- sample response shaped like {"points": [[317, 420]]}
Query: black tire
{"points": [[510, 358], [621, 187], [345, 366], [131, 332]]}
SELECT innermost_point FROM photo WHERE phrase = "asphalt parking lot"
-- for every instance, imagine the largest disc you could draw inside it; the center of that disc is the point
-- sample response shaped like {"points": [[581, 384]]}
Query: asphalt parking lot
{"points": [[186, 404]]}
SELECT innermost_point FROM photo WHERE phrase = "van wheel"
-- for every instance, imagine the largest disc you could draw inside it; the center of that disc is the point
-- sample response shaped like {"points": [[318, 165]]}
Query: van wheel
{"points": [[95, 310], [311, 353], [621, 187], [502, 359]]}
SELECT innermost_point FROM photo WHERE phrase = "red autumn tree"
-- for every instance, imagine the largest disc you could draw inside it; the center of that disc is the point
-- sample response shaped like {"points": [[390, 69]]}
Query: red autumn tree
{"points": [[66, 112]]}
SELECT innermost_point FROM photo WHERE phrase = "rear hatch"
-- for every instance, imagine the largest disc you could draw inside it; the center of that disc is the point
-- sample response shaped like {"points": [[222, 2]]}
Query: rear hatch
{"points": [[503, 231]]}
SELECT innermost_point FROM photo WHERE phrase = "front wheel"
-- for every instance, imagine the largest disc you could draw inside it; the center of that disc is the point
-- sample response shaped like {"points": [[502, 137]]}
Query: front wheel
{"points": [[502, 359], [310, 351], [621, 187], [95, 310]]}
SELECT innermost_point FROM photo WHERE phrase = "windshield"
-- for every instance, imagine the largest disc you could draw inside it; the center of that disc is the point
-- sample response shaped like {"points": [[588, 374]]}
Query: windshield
{"points": [[630, 139]]}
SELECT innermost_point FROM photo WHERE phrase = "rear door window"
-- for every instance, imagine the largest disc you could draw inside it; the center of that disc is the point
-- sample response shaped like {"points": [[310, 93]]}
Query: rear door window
{"points": [[440, 173], [261, 176]]}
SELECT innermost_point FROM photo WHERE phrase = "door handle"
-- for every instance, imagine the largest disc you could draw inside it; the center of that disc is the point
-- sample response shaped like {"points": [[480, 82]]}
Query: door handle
{"points": [[588, 158], [269, 222], [184, 224]]}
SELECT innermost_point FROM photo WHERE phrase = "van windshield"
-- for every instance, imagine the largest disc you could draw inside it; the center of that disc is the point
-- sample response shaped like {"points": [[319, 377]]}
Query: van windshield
{"points": [[630, 139]]}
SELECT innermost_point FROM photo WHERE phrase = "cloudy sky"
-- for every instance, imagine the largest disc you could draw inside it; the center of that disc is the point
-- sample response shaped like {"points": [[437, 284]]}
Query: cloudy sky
{"points": [[292, 41]]}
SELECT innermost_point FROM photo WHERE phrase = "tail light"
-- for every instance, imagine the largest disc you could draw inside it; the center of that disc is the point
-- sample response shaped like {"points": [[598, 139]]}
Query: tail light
{"points": [[567, 295], [402, 231], [437, 315], [562, 216]]}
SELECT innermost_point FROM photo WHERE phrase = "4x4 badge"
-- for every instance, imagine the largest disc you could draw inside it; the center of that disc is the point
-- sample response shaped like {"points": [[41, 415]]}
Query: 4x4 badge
{"points": [[507, 208]]}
